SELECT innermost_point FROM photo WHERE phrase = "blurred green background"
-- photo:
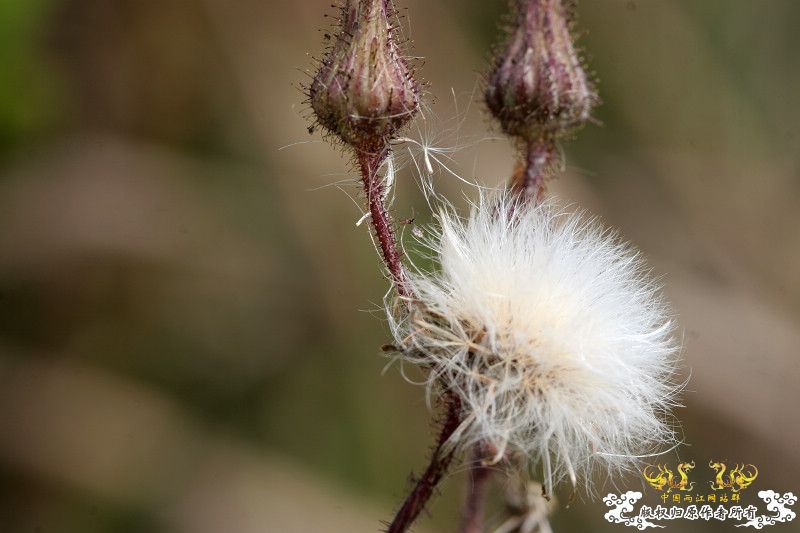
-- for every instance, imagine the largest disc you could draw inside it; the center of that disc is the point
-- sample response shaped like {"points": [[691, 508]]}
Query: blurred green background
{"points": [[189, 334]]}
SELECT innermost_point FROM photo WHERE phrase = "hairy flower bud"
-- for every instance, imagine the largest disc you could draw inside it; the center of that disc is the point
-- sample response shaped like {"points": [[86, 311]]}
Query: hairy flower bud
{"points": [[538, 87], [364, 91]]}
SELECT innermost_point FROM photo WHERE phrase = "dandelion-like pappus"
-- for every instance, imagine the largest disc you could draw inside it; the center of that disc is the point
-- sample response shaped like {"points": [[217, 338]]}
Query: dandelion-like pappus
{"points": [[551, 332]]}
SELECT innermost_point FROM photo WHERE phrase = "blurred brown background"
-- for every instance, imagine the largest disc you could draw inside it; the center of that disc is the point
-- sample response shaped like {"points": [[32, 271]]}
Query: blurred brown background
{"points": [[188, 335]]}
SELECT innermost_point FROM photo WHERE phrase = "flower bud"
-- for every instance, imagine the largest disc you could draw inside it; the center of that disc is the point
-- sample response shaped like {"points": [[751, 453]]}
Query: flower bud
{"points": [[538, 87], [364, 91]]}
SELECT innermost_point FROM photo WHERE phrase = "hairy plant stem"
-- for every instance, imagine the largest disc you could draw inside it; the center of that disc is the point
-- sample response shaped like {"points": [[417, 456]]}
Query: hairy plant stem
{"points": [[369, 162], [529, 182], [441, 458], [477, 485]]}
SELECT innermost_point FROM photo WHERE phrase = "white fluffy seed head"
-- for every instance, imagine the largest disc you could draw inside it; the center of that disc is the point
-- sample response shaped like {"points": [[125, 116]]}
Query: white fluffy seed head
{"points": [[552, 333]]}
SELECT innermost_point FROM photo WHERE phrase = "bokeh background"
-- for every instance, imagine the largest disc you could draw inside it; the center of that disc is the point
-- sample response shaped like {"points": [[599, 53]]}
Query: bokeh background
{"points": [[189, 340]]}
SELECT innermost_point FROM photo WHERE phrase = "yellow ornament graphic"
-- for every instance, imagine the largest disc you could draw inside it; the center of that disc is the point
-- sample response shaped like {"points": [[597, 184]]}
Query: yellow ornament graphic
{"points": [[661, 478], [738, 478]]}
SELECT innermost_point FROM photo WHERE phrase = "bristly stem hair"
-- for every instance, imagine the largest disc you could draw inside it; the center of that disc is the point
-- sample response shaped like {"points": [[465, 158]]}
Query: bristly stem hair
{"points": [[369, 162], [441, 458]]}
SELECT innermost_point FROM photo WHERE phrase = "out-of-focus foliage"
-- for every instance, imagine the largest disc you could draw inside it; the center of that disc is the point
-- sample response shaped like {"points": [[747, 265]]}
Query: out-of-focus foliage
{"points": [[30, 91]]}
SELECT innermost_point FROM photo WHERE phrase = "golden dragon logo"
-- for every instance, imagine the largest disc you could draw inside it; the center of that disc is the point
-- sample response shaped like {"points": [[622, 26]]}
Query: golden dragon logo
{"points": [[738, 478], [661, 478]]}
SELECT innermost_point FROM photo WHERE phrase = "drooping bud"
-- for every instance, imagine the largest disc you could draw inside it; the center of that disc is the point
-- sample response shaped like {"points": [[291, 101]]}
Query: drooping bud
{"points": [[538, 88], [364, 91]]}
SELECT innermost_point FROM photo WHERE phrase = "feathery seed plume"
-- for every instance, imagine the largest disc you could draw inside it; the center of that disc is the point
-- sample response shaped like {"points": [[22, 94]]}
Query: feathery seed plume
{"points": [[552, 334]]}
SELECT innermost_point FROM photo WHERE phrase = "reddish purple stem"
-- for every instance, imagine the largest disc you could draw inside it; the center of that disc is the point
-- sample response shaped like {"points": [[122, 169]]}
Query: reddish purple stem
{"points": [[477, 485], [369, 162], [538, 161], [440, 461]]}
